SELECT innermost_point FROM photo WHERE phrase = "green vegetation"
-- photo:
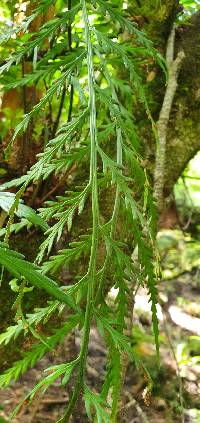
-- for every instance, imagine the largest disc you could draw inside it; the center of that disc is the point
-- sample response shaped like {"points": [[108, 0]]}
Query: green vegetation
{"points": [[79, 144]]}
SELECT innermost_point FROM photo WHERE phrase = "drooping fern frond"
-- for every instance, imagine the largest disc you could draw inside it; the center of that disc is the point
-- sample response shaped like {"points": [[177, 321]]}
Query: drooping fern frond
{"points": [[34, 319], [92, 145], [94, 403], [37, 352], [42, 7], [32, 274]]}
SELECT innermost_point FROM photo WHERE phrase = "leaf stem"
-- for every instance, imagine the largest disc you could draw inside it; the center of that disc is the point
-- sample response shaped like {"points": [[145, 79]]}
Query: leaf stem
{"points": [[95, 214], [56, 123], [116, 204]]}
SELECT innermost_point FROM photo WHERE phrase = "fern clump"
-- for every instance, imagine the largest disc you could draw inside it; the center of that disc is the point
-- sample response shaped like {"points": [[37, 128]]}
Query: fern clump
{"points": [[95, 132]]}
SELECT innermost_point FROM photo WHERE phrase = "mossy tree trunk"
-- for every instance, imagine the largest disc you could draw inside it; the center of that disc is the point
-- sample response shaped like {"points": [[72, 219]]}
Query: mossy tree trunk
{"points": [[182, 138]]}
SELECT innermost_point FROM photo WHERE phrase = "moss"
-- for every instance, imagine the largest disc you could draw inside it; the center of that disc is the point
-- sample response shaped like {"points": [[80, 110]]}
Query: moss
{"points": [[157, 18]]}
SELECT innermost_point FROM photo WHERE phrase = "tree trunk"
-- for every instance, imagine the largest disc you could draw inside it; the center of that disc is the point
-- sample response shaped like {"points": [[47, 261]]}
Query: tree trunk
{"points": [[182, 135]]}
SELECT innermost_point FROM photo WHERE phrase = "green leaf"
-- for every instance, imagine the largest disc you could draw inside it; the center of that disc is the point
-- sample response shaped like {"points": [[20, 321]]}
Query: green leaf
{"points": [[56, 85], [15, 227], [146, 258], [66, 256], [121, 341], [63, 210], [7, 200], [94, 403], [37, 352], [39, 315], [54, 373], [19, 267]]}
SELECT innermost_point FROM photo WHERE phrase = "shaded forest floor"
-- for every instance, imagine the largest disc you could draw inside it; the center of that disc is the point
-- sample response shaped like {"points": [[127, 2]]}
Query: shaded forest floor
{"points": [[177, 380]]}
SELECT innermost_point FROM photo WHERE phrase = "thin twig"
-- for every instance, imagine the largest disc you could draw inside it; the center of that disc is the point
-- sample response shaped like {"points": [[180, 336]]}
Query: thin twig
{"points": [[65, 176], [50, 107], [56, 123], [70, 103]]}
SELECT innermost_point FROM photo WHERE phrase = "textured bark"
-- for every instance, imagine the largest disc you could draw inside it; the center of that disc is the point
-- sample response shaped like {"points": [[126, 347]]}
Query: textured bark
{"points": [[178, 124], [156, 17], [182, 135], [183, 140]]}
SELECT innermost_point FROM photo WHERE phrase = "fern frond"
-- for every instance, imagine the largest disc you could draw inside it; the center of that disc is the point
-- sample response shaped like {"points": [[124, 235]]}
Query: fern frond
{"points": [[46, 30], [48, 96], [37, 352], [39, 315], [94, 402], [41, 8]]}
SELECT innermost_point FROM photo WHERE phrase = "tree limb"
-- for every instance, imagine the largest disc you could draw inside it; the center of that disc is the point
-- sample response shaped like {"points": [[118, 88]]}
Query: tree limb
{"points": [[174, 66]]}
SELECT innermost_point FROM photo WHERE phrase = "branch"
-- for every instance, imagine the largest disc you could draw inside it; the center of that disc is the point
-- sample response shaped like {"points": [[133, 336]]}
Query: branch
{"points": [[170, 47], [174, 66], [70, 103]]}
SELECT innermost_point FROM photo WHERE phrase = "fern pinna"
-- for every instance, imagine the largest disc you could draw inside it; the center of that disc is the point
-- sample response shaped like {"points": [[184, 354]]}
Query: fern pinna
{"points": [[93, 133]]}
